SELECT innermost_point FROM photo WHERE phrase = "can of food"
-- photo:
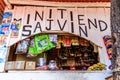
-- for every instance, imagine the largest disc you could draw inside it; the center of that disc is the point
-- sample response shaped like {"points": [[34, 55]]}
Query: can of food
{"points": [[41, 61]]}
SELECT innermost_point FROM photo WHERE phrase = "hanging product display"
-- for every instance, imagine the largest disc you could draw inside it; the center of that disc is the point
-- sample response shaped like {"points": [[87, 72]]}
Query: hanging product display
{"points": [[3, 41], [43, 43], [32, 51], [57, 52], [59, 42], [108, 44], [53, 38], [67, 41], [75, 41], [22, 46], [15, 29], [3, 52], [4, 28]]}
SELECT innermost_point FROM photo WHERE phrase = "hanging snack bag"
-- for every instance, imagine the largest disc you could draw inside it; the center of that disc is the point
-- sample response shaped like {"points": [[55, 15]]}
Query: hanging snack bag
{"points": [[22, 47], [18, 49], [60, 41], [43, 43], [108, 44], [32, 52], [67, 41], [75, 41], [53, 38]]}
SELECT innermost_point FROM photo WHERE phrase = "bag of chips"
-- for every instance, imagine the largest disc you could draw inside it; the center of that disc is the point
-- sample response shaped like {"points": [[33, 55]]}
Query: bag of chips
{"points": [[22, 46], [32, 52], [67, 41], [53, 38], [42, 43]]}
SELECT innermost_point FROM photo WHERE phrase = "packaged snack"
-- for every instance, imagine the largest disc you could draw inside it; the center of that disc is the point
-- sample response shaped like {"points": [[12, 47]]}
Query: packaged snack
{"points": [[75, 41], [53, 38], [67, 41], [32, 47], [60, 41], [4, 29], [7, 17], [22, 46], [42, 43], [32, 52], [106, 38]]}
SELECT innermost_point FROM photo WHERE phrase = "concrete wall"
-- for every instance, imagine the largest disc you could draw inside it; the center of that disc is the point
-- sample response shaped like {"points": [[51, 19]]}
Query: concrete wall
{"points": [[54, 75]]}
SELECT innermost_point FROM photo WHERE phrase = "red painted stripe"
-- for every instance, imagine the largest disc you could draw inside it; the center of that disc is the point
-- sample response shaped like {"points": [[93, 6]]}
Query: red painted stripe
{"points": [[77, 0], [2, 4]]}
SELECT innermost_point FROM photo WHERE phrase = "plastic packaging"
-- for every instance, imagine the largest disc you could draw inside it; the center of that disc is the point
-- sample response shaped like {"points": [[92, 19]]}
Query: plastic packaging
{"points": [[32, 52], [22, 46], [42, 43], [53, 38]]}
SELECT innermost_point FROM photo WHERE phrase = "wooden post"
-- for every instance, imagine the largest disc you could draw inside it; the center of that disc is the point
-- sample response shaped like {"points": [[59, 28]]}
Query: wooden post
{"points": [[115, 28]]}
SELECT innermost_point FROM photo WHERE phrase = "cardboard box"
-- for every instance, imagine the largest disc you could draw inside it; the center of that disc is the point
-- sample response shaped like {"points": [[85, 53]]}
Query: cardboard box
{"points": [[9, 65], [20, 65], [30, 65]]}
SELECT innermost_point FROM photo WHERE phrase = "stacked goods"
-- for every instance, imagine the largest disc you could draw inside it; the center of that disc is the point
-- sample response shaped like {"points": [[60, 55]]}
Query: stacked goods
{"points": [[30, 65], [20, 65], [9, 65], [98, 66], [53, 52], [41, 64], [108, 44]]}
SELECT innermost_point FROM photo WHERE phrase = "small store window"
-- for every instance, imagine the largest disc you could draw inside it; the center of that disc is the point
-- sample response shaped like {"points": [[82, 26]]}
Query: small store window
{"points": [[54, 51]]}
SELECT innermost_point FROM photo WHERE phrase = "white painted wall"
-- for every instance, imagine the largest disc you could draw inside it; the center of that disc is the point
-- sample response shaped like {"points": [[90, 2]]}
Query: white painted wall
{"points": [[54, 75]]}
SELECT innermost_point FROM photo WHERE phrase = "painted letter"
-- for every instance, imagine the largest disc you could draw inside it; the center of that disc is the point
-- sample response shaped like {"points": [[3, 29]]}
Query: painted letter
{"points": [[38, 26], [61, 27], [103, 25], [93, 23]]}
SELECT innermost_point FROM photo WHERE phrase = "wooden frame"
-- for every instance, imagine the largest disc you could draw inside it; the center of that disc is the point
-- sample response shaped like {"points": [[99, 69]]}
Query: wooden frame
{"points": [[9, 3]]}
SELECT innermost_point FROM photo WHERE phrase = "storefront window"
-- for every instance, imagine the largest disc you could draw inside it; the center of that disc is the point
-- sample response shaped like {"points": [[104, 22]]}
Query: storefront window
{"points": [[54, 52]]}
